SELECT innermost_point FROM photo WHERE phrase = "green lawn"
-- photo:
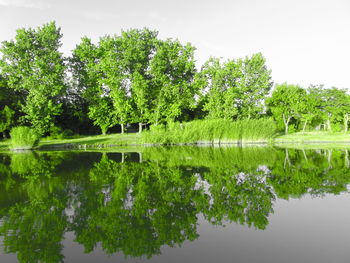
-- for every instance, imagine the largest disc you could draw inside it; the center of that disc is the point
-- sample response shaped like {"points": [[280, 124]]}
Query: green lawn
{"points": [[95, 140], [81, 142], [314, 137]]}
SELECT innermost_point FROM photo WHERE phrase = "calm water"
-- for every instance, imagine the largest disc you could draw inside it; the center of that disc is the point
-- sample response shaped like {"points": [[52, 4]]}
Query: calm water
{"points": [[179, 204]]}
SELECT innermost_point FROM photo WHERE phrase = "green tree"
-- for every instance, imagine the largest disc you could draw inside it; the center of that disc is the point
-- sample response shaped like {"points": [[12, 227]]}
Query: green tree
{"points": [[219, 94], [235, 89], [287, 102], [336, 106], [137, 47], [114, 79], [311, 106], [33, 65], [172, 69], [253, 86], [87, 82]]}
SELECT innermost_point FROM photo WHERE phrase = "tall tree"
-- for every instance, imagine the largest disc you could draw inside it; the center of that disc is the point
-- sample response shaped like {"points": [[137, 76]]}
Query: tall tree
{"points": [[172, 69], [113, 78], [34, 66], [235, 89], [315, 110], [135, 51], [253, 86], [87, 86], [211, 82]]}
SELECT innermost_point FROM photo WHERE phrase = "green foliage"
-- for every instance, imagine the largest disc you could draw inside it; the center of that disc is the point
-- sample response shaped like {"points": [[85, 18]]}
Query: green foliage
{"points": [[253, 87], [211, 131], [314, 106], [172, 70], [102, 114], [235, 89], [33, 66], [134, 51], [287, 102], [334, 106], [24, 137]]}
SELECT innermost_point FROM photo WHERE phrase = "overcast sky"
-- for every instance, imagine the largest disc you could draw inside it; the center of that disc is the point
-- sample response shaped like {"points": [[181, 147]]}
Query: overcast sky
{"points": [[303, 41]]}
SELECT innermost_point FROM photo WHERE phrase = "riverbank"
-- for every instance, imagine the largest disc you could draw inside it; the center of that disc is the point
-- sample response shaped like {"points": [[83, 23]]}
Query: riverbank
{"points": [[304, 140], [83, 142]]}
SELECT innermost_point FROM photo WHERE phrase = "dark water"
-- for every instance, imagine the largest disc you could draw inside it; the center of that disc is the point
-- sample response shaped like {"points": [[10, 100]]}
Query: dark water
{"points": [[180, 204]]}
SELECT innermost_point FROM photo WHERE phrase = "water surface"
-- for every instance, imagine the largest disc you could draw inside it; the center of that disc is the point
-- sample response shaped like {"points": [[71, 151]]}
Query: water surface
{"points": [[178, 204]]}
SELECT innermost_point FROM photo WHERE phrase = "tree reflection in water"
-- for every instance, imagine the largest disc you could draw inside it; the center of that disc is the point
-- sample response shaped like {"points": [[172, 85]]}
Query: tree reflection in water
{"points": [[137, 203]]}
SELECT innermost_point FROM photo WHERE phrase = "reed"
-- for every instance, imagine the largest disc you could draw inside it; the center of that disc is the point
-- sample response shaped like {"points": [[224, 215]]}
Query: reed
{"points": [[211, 132], [23, 138]]}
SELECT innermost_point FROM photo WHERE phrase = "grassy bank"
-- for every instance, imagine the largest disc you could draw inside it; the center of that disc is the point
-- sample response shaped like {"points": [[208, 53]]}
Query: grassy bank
{"points": [[83, 142], [197, 132], [96, 141], [314, 137]]}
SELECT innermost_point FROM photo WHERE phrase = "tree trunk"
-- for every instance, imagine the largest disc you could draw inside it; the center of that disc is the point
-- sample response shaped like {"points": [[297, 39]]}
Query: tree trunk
{"points": [[329, 127], [329, 159], [140, 157], [140, 127], [286, 159], [304, 126], [122, 128], [347, 163], [286, 122], [304, 154], [123, 157], [346, 121]]}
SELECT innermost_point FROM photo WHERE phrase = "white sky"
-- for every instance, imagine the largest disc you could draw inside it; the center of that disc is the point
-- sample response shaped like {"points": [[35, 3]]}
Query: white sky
{"points": [[303, 41]]}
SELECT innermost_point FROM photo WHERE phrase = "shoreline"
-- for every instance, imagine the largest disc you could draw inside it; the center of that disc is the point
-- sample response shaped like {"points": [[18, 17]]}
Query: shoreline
{"points": [[131, 140]]}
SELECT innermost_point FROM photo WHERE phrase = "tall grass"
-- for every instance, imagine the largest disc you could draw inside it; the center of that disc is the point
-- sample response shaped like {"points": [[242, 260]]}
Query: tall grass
{"points": [[23, 138], [211, 131]]}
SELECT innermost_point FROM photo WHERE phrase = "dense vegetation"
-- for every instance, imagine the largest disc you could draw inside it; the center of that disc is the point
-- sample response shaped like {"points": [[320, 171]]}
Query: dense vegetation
{"points": [[135, 78], [211, 131]]}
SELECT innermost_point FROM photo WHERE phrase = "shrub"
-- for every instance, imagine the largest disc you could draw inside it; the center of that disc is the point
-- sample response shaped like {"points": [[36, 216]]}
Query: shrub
{"points": [[23, 138]]}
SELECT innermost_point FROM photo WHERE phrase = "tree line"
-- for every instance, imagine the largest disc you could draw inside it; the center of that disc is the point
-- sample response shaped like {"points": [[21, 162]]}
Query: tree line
{"points": [[137, 78]]}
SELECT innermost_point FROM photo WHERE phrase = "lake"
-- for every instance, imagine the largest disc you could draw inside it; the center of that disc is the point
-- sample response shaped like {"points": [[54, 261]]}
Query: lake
{"points": [[176, 204]]}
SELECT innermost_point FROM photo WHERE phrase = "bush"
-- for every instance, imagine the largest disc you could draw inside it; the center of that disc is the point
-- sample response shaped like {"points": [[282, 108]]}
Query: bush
{"points": [[23, 138]]}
